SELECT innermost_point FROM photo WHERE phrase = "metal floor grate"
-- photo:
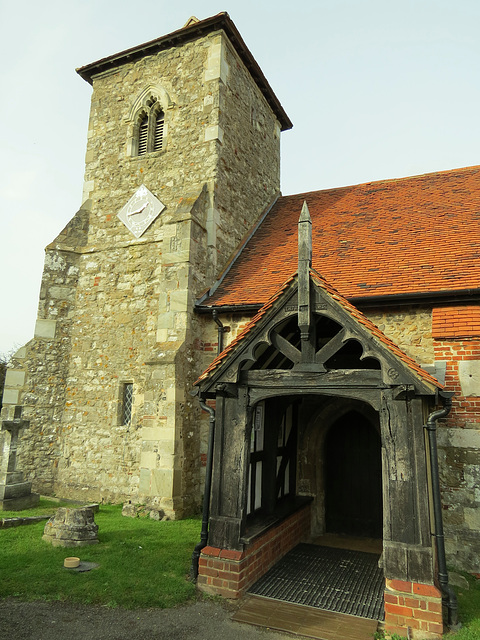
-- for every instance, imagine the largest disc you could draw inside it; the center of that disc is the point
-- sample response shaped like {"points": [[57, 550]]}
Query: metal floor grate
{"points": [[327, 578]]}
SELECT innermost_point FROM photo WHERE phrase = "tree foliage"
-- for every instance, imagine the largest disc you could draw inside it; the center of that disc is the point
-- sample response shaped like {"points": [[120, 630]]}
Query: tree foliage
{"points": [[4, 360]]}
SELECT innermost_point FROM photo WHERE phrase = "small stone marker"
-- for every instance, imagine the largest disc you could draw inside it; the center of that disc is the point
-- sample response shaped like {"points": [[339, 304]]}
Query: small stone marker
{"points": [[71, 528]]}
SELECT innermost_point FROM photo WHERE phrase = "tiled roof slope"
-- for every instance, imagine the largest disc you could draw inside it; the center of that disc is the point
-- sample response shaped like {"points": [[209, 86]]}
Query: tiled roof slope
{"points": [[404, 236], [353, 311]]}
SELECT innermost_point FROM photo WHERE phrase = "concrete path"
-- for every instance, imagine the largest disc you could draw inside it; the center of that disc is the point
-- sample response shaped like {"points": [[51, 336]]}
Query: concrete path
{"points": [[61, 621]]}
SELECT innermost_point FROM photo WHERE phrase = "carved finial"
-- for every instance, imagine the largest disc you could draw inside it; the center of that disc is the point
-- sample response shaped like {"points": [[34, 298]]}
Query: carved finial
{"points": [[305, 213]]}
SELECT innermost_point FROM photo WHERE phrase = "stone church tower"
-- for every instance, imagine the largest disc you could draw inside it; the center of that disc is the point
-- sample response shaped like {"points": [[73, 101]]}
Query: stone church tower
{"points": [[182, 158]]}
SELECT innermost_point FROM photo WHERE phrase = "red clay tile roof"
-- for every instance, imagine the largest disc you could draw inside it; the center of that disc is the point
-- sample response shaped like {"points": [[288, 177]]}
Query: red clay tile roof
{"points": [[353, 311], [411, 235]]}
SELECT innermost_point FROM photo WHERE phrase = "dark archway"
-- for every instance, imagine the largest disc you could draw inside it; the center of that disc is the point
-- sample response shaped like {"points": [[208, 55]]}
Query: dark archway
{"points": [[353, 477]]}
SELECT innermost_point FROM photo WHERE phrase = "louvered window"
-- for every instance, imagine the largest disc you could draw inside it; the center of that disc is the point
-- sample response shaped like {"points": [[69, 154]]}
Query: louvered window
{"points": [[143, 137], [127, 403], [158, 136], [150, 130]]}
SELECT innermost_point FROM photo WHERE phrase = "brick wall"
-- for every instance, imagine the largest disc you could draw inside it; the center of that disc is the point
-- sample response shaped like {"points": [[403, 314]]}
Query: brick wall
{"points": [[456, 334], [465, 408], [455, 322], [413, 609], [229, 573]]}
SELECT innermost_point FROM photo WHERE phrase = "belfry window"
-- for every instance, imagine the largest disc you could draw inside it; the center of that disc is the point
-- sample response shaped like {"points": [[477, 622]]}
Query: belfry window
{"points": [[158, 134], [143, 136], [150, 129]]}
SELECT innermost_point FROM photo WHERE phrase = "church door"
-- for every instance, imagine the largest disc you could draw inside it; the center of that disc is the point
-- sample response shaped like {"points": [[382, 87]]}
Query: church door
{"points": [[353, 488]]}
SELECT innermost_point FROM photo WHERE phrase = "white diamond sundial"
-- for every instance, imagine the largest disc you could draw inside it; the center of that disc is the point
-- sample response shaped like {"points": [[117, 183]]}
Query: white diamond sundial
{"points": [[140, 211]]}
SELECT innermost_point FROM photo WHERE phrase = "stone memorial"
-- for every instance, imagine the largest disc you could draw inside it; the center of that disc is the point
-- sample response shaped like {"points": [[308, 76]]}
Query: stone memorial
{"points": [[15, 493]]}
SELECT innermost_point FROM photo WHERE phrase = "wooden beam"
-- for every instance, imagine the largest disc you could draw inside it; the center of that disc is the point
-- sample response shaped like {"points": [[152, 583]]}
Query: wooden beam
{"points": [[274, 378], [332, 346], [285, 347]]}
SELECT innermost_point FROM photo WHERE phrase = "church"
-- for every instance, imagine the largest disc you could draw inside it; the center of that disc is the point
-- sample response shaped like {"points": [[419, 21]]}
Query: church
{"points": [[298, 365]]}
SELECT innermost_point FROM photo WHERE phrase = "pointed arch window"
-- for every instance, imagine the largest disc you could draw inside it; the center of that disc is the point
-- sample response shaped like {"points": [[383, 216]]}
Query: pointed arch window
{"points": [[150, 129]]}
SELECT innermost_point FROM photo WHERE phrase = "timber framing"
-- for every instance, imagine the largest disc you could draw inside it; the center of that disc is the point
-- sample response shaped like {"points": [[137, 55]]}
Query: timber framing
{"points": [[396, 368], [310, 354]]}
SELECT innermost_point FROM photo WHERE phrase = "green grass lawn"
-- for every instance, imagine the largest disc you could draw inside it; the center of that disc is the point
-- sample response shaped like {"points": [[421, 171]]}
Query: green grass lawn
{"points": [[143, 562], [468, 610]]}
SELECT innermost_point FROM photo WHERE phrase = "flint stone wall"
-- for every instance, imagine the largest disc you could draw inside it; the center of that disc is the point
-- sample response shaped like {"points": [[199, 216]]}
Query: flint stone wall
{"points": [[115, 309]]}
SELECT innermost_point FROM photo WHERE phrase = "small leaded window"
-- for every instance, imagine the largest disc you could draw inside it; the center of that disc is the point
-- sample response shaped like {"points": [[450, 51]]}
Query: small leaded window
{"points": [[127, 403]]}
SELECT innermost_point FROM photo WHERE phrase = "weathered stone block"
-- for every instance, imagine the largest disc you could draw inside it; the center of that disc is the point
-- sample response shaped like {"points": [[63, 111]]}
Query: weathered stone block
{"points": [[461, 438], [11, 396], [45, 329], [15, 378], [129, 510], [472, 518], [71, 527], [469, 375], [148, 459]]}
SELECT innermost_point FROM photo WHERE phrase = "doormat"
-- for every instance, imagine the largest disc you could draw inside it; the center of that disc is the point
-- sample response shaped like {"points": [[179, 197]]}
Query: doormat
{"points": [[327, 578]]}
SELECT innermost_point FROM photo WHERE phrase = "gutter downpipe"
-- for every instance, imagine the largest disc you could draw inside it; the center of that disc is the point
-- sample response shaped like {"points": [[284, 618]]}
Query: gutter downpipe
{"points": [[449, 596], [206, 494]]}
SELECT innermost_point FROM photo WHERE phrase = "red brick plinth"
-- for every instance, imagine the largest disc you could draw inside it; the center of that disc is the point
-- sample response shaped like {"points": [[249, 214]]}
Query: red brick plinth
{"points": [[414, 606], [229, 573]]}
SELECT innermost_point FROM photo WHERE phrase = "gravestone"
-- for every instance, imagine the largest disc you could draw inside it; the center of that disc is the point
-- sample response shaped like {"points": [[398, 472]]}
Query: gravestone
{"points": [[15, 493]]}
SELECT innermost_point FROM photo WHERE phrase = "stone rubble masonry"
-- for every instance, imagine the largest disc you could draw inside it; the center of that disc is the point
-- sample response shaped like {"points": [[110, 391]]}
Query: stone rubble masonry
{"points": [[459, 453], [410, 328], [229, 573], [413, 609], [115, 309], [42, 364]]}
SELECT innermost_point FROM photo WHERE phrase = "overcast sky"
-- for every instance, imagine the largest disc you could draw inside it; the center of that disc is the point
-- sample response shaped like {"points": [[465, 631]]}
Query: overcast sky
{"points": [[375, 89]]}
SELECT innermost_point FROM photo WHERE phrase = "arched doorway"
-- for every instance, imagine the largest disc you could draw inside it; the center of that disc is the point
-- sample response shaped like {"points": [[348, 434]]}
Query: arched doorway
{"points": [[353, 477]]}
